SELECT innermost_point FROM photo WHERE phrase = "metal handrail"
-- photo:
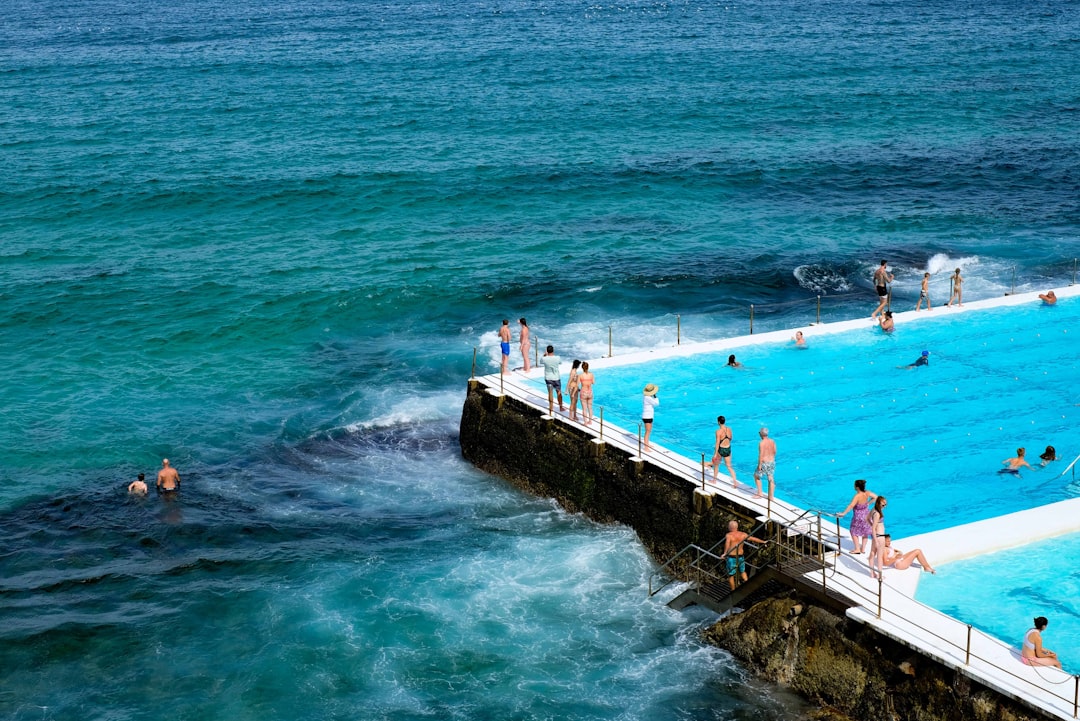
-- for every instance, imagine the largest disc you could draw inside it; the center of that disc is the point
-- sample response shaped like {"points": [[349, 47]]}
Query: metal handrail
{"points": [[1070, 467]]}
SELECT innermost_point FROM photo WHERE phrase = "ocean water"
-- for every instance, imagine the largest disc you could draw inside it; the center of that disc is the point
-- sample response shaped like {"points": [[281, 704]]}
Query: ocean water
{"points": [[264, 240]]}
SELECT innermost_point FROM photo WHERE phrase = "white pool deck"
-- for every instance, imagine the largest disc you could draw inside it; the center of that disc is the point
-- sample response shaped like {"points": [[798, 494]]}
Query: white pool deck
{"points": [[902, 618]]}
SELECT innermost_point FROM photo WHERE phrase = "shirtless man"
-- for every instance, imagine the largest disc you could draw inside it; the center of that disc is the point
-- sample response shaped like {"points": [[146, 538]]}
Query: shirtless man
{"points": [[924, 293], [882, 278], [138, 487], [1049, 297], [766, 462], [733, 552], [902, 561], [504, 345], [1013, 465], [168, 479], [722, 449]]}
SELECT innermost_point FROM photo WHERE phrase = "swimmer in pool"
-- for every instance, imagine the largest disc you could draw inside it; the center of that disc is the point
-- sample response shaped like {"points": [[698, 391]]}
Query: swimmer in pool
{"points": [[923, 360], [886, 322], [1048, 298], [800, 341], [1048, 455], [1013, 465], [732, 363]]}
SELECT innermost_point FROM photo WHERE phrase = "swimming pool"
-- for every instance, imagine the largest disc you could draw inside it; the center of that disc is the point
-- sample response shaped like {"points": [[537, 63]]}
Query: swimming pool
{"points": [[931, 438], [1039, 579]]}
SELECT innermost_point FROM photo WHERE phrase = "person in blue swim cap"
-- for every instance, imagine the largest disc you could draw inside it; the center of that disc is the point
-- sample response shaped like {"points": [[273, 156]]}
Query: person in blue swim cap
{"points": [[923, 360]]}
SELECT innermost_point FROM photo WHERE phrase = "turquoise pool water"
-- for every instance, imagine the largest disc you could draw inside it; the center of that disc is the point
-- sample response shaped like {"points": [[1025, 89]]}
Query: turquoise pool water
{"points": [[932, 438], [1040, 579]]}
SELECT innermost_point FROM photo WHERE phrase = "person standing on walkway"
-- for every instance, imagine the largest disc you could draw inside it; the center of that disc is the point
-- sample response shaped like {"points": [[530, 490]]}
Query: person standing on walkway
{"points": [[860, 518], [551, 363], [877, 538], [766, 462], [882, 278], [648, 410], [573, 389], [722, 450], [585, 385], [735, 553], [924, 293], [504, 345], [525, 344], [957, 290]]}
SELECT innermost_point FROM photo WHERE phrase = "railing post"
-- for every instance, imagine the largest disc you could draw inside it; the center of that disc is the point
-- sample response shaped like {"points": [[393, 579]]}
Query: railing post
{"points": [[639, 440], [473, 362], [967, 653], [880, 581], [501, 376], [678, 329], [1076, 694], [536, 351], [703, 471], [601, 423], [1074, 283], [819, 310], [609, 353], [751, 319], [821, 551]]}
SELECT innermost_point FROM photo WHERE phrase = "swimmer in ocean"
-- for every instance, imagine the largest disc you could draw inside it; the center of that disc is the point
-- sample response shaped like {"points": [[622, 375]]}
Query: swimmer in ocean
{"points": [[168, 480], [1013, 465], [138, 486]]}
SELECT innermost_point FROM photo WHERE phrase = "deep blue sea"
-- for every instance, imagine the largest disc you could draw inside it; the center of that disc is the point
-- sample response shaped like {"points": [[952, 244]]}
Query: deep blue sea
{"points": [[264, 240]]}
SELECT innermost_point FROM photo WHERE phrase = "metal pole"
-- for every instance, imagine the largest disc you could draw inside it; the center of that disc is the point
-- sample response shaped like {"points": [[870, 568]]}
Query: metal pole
{"points": [[751, 319], [821, 550], [639, 440], [1013, 289], [703, 471], [501, 376], [1074, 272], [601, 423], [819, 310], [609, 353], [536, 351], [879, 582], [967, 653], [473, 363], [678, 329], [1076, 695]]}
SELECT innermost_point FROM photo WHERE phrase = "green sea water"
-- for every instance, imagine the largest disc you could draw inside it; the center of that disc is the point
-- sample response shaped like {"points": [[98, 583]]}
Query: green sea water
{"points": [[264, 240]]}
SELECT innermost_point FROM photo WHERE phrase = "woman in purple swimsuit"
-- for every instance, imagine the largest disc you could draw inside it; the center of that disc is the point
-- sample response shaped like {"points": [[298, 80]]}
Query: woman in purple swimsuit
{"points": [[860, 518]]}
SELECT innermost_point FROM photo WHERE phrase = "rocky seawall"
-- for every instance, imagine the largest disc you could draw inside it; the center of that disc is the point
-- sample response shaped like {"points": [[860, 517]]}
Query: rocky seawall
{"points": [[847, 668]]}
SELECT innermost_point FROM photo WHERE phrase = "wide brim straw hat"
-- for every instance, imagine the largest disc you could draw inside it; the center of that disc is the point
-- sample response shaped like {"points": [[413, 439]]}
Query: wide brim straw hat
{"points": [[650, 390]]}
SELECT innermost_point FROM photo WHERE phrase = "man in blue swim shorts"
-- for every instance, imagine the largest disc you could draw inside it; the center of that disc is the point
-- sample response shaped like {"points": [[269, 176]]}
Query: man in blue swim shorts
{"points": [[504, 344], [733, 551]]}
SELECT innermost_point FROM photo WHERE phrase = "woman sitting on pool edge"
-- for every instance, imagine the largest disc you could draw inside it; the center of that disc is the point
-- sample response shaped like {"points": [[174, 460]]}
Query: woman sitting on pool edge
{"points": [[1032, 652], [902, 561]]}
